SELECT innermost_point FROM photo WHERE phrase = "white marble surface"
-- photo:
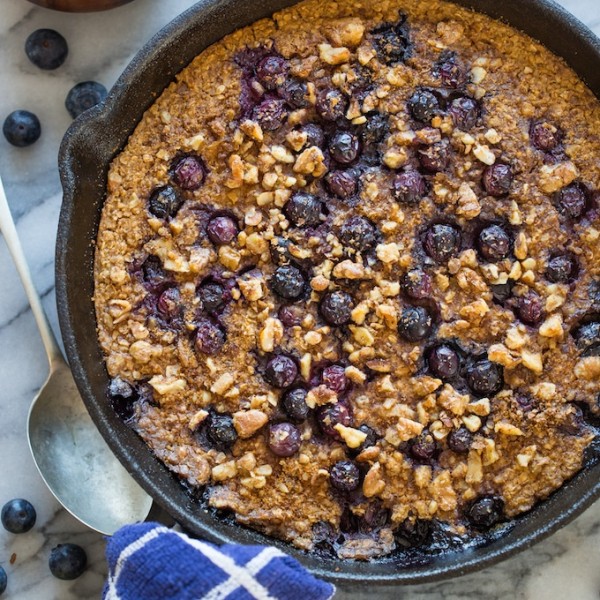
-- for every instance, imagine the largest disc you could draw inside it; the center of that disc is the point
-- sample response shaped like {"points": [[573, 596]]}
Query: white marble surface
{"points": [[566, 565]]}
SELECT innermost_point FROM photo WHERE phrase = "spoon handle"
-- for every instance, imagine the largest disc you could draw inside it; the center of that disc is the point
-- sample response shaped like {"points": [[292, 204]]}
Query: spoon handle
{"points": [[7, 226]]}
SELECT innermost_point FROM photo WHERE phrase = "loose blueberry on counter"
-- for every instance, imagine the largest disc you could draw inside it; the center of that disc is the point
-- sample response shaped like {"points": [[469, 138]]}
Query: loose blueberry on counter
{"points": [[423, 448], [122, 395], [294, 404], [449, 69], [442, 242], [164, 202], [572, 201], [189, 172], [464, 112], [221, 431], [544, 136], [3, 580], [423, 106], [67, 561], [271, 113], [413, 532], [494, 243], [330, 415], [485, 512], [344, 147], [281, 371], [211, 296], [222, 230], [497, 179], [334, 377], [561, 269], [529, 308], [18, 516], [284, 439], [288, 282], [417, 284], [443, 361], [344, 476], [295, 93], [210, 338], [169, 303], [358, 233], [343, 184], [331, 104], [409, 187], [415, 323], [485, 378], [84, 96], [272, 71], [303, 210], [392, 42], [291, 316], [587, 337], [46, 49], [460, 440], [435, 158], [336, 308], [21, 128]]}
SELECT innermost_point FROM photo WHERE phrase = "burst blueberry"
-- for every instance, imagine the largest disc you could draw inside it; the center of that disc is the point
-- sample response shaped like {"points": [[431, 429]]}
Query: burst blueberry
{"points": [[417, 284], [424, 447], [409, 186], [271, 113], [443, 361], [84, 96], [334, 377], [415, 323], [281, 371], [358, 233], [572, 200], [544, 136], [189, 172], [67, 561], [330, 415], [294, 404], [392, 42], [331, 104], [464, 111], [561, 269], [295, 93], [587, 337], [288, 282], [21, 128], [485, 512], [272, 71], [344, 476], [211, 295], [460, 440], [210, 338], [435, 157], [284, 439], [450, 70], [413, 532], [291, 316], [222, 230], [169, 303], [343, 184], [46, 49], [336, 308], [485, 378], [344, 147], [303, 210], [423, 106], [375, 129], [18, 516], [315, 136], [529, 308], [441, 242], [497, 179], [164, 202], [494, 243], [221, 431]]}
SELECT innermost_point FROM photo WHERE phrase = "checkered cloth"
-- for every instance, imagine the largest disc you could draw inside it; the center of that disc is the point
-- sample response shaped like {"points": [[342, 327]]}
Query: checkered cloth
{"points": [[150, 562]]}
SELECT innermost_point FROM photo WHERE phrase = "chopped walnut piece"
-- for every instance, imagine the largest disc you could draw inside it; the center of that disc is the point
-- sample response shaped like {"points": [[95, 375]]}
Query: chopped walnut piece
{"points": [[373, 485], [489, 454], [544, 390], [346, 32], [481, 407], [452, 401], [248, 422], [142, 351], [588, 368], [320, 395], [355, 375], [554, 177], [474, 468], [507, 429], [484, 154], [450, 31], [251, 287], [296, 139], [271, 334], [408, 429], [533, 361], [353, 437], [197, 419], [467, 203], [311, 162], [515, 339], [224, 471], [334, 56], [472, 423], [552, 327], [422, 476], [252, 129], [500, 354], [526, 456], [247, 462], [223, 384], [388, 253], [442, 491], [349, 270]]}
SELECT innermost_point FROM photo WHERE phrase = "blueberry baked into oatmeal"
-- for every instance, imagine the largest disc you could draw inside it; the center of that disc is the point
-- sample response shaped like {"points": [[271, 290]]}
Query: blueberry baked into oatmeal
{"points": [[347, 275]]}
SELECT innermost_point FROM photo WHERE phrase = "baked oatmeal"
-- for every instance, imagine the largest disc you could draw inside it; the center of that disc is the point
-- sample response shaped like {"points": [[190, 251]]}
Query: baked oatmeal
{"points": [[347, 275]]}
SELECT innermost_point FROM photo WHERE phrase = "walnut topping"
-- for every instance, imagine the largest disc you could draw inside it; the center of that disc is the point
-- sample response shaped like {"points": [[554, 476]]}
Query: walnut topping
{"points": [[450, 31], [544, 390], [355, 375], [442, 491], [515, 339], [484, 154], [552, 327], [142, 351], [475, 311], [349, 270], [320, 395], [353, 437], [251, 286], [526, 456], [388, 253], [270, 335], [248, 422], [408, 429], [467, 203], [334, 56], [472, 423], [224, 471], [489, 454], [373, 485], [554, 177], [252, 129], [481, 407], [588, 368], [197, 419], [533, 361], [223, 384], [452, 401], [311, 162], [507, 429], [474, 468], [346, 32], [500, 354]]}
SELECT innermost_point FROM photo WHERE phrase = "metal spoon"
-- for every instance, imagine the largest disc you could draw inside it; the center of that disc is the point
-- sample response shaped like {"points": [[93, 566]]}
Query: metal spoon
{"points": [[72, 457]]}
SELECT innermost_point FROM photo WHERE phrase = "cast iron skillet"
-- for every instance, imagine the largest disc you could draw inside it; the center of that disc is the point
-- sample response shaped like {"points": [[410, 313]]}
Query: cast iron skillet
{"points": [[89, 146]]}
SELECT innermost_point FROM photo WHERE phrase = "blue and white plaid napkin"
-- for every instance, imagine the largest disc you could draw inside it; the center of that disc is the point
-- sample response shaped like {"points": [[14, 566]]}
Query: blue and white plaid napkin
{"points": [[150, 562]]}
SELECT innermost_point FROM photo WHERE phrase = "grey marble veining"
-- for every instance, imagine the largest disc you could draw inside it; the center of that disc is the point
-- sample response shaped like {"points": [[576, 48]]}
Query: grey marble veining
{"points": [[563, 566]]}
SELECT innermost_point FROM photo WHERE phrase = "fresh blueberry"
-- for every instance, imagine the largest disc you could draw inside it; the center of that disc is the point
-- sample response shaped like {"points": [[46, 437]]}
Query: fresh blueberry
{"points": [[529, 308], [210, 338], [18, 516], [497, 179], [271, 113], [294, 404], [375, 129], [358, 233], [441, 242], [288, 282], [413, 532], [67, 561], [544, 136], [221, 431], [343, 184], [485, 378], [315, 136], [485, 512], [3, 580], [303, 210], [443, 361], [415, 323], [423, 106], [84, 96], [22, 128], [169, 303], [587, 337], [295, 93], [211, 296], [464, 112], [435, 157], [417, 284], [344, 476], [494, 243], [334, 377], [222, 230], [189, 172], [392, 42], [449, 69], [331, 104], [284, 439], [460, 440], [409, 186], [272, 71], [344, 147], [291, 316], [46, 49], [561, 268], [164, 202], [572, 201], [424, 447], [281, 371], [336, 308], [330, 415]]}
